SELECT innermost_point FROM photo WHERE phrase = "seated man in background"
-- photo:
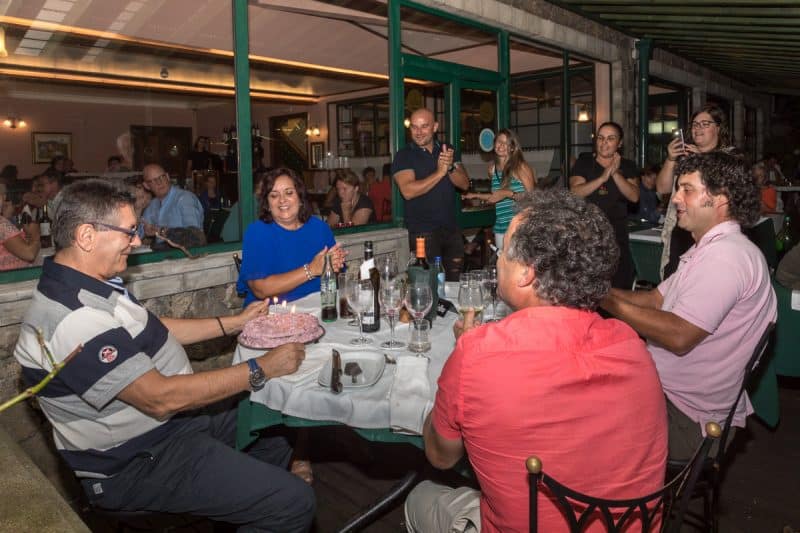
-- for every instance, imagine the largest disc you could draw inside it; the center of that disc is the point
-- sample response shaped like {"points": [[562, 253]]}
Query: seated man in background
{"points": [[552, 379], [121, 407], [703, 322], [788, 273], [767, 191], [173, 212]]}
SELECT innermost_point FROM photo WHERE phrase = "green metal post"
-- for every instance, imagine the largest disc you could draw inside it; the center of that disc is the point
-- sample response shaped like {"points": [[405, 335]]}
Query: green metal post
{"points": [[504, 92], [396, 100], [643, 47], [241, 63], [565, 115]]}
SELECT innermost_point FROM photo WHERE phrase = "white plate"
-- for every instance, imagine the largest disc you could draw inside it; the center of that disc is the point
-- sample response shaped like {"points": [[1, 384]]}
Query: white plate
{"points": [[371, 363]]}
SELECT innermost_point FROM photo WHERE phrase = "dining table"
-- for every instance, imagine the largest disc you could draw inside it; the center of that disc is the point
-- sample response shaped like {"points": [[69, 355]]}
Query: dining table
{"points": [[392, 409]]}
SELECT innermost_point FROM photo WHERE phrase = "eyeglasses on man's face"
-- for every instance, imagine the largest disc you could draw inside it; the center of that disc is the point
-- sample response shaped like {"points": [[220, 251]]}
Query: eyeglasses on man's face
{"points": [[132, 233], [702, 124]]}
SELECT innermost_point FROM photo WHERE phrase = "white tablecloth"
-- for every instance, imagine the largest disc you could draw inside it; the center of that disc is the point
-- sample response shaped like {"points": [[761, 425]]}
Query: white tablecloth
{"points": [[302, 396]]}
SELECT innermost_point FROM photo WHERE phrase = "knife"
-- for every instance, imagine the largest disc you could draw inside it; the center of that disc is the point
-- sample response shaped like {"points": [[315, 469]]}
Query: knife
{"points": [[336, 372]]}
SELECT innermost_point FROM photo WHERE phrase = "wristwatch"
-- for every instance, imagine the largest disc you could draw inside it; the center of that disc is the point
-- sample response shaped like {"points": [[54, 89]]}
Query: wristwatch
{"points": [[257, 376]]}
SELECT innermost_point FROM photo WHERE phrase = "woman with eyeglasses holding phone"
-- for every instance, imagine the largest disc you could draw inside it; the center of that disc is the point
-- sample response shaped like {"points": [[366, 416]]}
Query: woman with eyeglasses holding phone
{"points": [[609, 181], [708, 131]]}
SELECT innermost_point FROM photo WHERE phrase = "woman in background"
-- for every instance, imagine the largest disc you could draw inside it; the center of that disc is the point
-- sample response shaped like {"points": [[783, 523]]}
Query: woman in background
{"points": [[510, 174], [609, 181], [18, 247], [350, 207]]}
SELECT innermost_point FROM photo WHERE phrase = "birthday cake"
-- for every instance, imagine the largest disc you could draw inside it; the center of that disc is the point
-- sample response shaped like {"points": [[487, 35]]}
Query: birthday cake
{"points": [[269, 331]]}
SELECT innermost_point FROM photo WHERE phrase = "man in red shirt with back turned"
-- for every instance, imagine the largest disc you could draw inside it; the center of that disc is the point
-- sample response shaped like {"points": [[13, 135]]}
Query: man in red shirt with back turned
{"points": [[552, 379]]}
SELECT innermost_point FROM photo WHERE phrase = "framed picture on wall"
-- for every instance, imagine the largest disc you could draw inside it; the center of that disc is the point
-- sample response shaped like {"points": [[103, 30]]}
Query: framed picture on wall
{"points": [[316, 153], [47, 145]]}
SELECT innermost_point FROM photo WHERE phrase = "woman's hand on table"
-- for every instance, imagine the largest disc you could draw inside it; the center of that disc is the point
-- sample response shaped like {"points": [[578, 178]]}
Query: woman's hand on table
{"points": [[462, 326], [283, 360]]}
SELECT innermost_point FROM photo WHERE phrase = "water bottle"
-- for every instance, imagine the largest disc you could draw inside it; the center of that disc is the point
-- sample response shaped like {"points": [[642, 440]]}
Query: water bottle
{"points": [[327, 291], [439, 270]]}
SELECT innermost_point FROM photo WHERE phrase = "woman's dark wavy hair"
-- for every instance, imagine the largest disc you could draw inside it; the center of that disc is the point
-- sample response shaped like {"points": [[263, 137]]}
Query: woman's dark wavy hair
{"points": [[269, 182], [570, 245], [724, 138], [726, 174]]}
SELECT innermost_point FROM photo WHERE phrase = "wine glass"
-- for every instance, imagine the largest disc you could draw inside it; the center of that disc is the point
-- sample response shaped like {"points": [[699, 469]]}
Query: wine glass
{"points": [[470, 296], [490, 287], [391, 295], [359, 297], [387, 267], [419, 300]]}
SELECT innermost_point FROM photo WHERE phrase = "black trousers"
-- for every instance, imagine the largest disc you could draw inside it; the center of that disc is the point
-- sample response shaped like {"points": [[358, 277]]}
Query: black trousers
{"points": [[447, 243], [198, 471]]}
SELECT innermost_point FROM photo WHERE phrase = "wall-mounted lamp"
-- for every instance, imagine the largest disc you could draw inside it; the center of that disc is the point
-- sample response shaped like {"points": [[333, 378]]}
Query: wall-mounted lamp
{"points": [[313, 131], [14, 123], [164, 73], [583, 114], [407, 122], [3, 51]]}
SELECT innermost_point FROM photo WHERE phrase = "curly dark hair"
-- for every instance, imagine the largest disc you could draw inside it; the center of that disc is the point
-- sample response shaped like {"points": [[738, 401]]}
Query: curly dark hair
{"points": [[726, 174], [570, 245], [269, 182]]}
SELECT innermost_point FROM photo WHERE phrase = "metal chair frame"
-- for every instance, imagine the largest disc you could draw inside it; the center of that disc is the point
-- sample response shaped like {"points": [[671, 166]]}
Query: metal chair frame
{"points": [[709, 481], [681, 485]]}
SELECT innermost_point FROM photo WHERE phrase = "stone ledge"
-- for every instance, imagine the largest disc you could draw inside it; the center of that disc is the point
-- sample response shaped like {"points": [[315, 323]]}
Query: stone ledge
{"points": [[29, 501]]}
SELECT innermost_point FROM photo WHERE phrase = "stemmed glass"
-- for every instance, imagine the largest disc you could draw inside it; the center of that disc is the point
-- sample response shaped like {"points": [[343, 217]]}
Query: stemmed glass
{"points": [[470, 296], [387, 267], [359, 296], [490, 288], [419, 300], [391, 297]]}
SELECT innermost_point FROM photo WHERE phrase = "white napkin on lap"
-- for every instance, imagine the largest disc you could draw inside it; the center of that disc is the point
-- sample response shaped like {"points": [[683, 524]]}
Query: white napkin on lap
{"points": [[410, 399]]}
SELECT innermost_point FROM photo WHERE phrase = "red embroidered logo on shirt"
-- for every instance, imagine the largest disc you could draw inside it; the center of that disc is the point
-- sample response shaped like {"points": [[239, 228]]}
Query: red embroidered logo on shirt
{"points": [[108, 354]]}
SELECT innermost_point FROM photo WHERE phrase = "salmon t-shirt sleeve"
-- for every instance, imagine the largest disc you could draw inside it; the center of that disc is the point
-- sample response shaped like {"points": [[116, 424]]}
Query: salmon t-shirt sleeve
{"points": [[447, 412]]}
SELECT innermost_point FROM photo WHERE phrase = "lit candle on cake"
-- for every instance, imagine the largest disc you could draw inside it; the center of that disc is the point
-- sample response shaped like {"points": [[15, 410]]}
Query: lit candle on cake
{"points": [[274, 304], [283, 307], [294, 308]]}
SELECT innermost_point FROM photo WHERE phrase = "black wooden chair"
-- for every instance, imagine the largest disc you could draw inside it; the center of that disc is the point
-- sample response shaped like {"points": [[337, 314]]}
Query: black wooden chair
{"points": [[708, 485], [617, 514]]}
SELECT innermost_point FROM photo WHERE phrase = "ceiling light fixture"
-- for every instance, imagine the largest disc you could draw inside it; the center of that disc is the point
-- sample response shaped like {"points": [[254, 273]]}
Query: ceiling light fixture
{"points": [[3, 51], [312, 131], [583, 114]]}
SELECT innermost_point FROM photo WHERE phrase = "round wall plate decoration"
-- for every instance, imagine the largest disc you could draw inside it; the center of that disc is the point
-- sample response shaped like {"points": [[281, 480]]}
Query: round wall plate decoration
{"points": [[486, 139]]}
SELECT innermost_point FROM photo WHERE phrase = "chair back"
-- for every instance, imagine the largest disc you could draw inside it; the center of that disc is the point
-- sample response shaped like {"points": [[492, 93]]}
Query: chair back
{"points": [[616, 514], [762, 234], [749, 369]]}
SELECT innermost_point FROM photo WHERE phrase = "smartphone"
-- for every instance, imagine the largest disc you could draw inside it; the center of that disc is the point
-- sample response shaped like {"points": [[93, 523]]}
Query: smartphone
{"points": [[678, 134]]}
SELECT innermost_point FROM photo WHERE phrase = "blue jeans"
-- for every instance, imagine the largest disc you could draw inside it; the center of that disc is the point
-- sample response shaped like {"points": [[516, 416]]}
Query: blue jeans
{"points": [[198, 471]]}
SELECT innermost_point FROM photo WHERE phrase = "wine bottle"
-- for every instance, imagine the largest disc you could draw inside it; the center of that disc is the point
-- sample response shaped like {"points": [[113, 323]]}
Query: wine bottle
{"points": [[327, 291], [371, 320], [419, 271], [26, 217], [44, 228], [784, 240]]}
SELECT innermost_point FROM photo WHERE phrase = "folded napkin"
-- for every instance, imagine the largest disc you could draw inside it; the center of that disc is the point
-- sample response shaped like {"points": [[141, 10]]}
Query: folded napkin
{"points": [[316, 355], [410, 399]]}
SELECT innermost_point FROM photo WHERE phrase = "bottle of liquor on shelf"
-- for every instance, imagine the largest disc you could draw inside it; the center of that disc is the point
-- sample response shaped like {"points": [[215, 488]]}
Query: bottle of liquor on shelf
{"points": [[784, 240], [371, 320], [327, 291], [420, 271], [44, 228]]}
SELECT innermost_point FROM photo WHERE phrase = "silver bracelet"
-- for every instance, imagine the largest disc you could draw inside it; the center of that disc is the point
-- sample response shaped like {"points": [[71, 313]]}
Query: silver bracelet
{"points": [[307, 270]]}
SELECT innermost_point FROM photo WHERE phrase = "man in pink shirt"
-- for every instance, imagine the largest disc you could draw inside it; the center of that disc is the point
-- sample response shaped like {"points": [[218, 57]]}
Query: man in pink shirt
{"points": [[552, 379], [703, 322]]}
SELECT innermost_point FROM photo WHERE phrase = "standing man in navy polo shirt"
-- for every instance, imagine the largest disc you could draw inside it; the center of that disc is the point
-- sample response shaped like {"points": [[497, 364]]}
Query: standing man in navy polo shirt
{"points": [[427, 178]]}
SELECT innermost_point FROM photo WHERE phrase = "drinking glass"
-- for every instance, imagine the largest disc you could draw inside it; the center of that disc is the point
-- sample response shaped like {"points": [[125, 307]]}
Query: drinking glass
{"points": [[420, 341], [470, 296], [387, 267], [359, 296], [490, 287], [419, 300], [391, 297]]}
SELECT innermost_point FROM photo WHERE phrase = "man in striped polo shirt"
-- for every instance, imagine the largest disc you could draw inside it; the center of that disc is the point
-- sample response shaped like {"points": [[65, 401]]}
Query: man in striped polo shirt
{"points": [[120, 407]]}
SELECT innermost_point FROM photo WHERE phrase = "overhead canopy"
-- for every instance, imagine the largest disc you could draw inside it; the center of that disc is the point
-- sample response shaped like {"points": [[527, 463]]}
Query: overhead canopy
{"points": [[756, 42]]}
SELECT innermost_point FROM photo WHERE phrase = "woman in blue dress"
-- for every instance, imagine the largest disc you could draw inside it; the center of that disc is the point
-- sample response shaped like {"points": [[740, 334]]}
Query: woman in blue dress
{"points": [[510, 174], [284, 251]]}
